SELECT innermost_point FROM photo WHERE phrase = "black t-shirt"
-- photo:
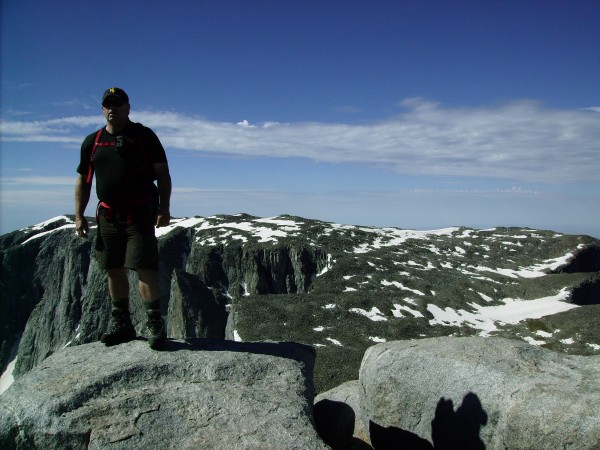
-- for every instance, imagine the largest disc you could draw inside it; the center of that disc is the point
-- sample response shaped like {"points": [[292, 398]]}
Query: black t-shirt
{"points": [[123, 164]]}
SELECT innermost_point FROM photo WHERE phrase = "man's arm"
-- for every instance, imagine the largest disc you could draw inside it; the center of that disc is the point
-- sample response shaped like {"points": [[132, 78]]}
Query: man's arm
{"points": [[82, 197], [163, 181]]}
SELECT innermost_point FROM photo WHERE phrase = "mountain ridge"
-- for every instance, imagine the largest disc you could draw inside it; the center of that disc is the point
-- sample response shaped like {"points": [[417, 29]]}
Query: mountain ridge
{"points": [[339, 288]]}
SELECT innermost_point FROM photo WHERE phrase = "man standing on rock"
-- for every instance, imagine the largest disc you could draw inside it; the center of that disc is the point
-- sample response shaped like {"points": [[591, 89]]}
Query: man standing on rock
{"points": [[127, 158]]}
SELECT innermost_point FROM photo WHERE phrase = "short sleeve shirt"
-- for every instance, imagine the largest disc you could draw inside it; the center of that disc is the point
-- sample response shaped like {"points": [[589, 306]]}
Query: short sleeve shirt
{"points": [[122, 164]]}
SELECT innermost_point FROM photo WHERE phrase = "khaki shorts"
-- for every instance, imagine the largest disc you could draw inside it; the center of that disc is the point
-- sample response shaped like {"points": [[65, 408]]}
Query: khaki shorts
{"points": [[133, 246]]}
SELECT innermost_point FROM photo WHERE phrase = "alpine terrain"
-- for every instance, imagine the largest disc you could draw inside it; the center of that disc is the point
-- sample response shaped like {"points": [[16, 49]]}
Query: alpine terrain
{"points": [[339, 288], [391, 328]]}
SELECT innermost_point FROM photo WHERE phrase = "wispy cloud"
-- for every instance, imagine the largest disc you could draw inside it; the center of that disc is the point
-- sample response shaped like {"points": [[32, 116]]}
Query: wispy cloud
{"points": [[522, 141], [37, 181]]}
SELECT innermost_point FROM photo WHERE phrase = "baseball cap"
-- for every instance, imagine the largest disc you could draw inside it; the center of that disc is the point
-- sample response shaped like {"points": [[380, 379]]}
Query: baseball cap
{"points": [[115, 92]]}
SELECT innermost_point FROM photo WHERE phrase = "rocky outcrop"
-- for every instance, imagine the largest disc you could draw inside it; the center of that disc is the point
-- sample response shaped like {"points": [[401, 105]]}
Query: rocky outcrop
{"points": [[587, 292], [257, 270], [338, 417], [447, 392], [478, 393], [195, 311], [586, 259], [195, 394], [46, 292]]}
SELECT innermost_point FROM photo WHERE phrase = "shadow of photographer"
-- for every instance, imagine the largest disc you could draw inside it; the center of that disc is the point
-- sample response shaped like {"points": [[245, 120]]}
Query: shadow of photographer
{"points": [[450, 430]]}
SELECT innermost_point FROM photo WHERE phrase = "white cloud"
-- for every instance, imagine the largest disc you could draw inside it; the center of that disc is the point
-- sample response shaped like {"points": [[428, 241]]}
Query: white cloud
{"points": [[520, 141], [37, 181]]}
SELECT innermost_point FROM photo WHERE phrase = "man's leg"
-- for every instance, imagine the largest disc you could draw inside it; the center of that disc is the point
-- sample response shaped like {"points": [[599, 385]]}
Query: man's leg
{"points": [[110, 248], [118, 284], [148, 285], [150, 293], [120, 329]]}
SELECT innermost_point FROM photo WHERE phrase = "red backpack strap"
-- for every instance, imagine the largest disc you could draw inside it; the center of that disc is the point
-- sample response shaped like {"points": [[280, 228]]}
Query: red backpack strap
{"points": [[91, 166]]}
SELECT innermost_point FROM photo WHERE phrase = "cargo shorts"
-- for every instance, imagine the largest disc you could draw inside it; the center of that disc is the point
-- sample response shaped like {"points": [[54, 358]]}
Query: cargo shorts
{"points": [[127, 243]]}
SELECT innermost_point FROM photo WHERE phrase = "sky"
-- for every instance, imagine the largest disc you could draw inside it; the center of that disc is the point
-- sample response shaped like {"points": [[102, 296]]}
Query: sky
{"points": [[413, 114]]}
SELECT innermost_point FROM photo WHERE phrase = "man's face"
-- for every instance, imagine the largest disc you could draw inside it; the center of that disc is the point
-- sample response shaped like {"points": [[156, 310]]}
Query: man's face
{"points": [[115, 110]]}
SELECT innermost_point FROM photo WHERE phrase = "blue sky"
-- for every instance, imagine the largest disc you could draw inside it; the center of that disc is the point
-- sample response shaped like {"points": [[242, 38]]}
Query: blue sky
{"points": [[411, 114]]}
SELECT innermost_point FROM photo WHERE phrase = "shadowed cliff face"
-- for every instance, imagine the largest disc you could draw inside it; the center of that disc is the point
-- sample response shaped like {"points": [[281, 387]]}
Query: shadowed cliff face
{"points": [[287, 269], [338, 287]]}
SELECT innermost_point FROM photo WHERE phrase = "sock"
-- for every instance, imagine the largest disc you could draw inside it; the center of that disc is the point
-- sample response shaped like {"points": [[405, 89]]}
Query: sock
{"points": [[152, 306], [122, 304]]}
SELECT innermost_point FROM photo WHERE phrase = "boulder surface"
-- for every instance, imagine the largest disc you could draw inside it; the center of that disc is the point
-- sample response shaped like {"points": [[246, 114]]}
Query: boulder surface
{"points": [[476, 393], [194, 394], [338, 417]]}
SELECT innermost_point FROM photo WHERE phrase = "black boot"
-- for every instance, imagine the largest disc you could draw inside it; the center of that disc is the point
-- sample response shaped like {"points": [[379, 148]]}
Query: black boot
{"points": [[155, 329], [120, 328]]}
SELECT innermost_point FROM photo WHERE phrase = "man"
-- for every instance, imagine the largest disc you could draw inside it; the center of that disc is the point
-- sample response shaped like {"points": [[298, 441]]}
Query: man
{"points": [[126, 158]]}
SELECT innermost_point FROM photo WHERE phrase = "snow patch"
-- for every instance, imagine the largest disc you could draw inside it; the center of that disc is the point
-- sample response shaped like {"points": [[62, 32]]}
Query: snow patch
{"points": [[513, 311], [334, 341], [375, 315], [533, 341], [535, 271], [7, 377], [397, 311], [401, 286], [487, 298]]}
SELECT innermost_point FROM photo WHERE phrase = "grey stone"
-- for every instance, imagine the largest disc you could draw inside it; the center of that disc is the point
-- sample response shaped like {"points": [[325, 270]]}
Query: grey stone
{"points": [[338, 417], [194, 309], [476, 392], [195, 394]]}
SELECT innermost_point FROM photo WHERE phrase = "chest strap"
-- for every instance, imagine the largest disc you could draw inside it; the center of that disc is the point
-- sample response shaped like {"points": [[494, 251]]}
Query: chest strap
{"points": [[111, 213]]}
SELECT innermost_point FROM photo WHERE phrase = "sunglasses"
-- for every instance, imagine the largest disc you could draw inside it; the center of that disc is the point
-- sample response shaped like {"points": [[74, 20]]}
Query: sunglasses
{"points": [[113, 103]]}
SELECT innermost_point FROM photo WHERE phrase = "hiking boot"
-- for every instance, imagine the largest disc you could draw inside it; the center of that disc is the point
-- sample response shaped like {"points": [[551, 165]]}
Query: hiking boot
{"points": [[155, 328], [120, 328]]}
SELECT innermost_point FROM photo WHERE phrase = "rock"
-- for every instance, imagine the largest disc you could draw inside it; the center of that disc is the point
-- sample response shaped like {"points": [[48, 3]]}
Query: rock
{"points": [[60, 274], [585, 259], [195, 394], [476, 392], [194, 309], [587, 292], [255, 270], [338, 417]]}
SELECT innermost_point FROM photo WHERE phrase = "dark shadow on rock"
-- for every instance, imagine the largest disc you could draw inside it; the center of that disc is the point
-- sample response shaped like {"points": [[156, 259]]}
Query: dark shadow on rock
{"points": [[450, 430], [460, 429], [281, 349], [334, 422], [394, 438]]}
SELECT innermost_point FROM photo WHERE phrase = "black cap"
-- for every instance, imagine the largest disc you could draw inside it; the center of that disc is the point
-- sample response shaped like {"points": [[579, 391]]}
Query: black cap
{"points": [[115, 92]]}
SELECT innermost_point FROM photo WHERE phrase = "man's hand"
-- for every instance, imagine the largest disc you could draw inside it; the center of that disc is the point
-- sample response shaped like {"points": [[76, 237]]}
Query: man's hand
{"points": [[163, 219], [163, 183], [82, 196], [82, 227]]}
